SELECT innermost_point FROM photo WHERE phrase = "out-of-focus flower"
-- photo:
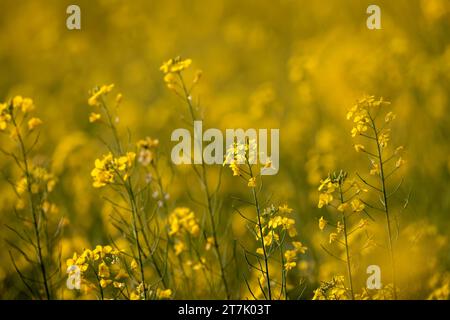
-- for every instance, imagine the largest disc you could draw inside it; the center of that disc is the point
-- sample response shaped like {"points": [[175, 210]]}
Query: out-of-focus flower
{"points": [[33, 123], [97, 93], [94, 117], [108, 168], [322, 223], [146, 151], [175, 65], [163, 294]]}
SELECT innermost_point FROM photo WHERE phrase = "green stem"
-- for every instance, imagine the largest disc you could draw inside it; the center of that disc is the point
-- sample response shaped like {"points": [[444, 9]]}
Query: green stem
{"points": [[258, 212], [33, 210], [386, 209], [132, 199], [208, 198], [136, 233], [347, 249]]}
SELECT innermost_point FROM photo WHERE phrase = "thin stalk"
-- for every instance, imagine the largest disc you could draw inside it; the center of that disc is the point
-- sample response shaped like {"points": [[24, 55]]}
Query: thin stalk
{"points": [[386, 208], [136, 233], [347, 249], [258, 212], [134, 208], [33, 210], [166, 209], [208, 198], [283, 274]]}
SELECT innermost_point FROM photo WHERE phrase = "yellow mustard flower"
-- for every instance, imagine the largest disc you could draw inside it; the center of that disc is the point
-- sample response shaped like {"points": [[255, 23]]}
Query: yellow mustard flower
{"points": [[342, 207], [181, 220], [103, 270], [324, 199], [357, 205], [375, 170], [299, 247], [107, 168], [384, 138], [235, 168], [33, 123], [209, 243], [179, 247], [290, 256], [322, 223], [175, 65], [285, 209], [5, 117], [104, 283], [389, 117], [17, 101], [399, 162], [133, 265]]}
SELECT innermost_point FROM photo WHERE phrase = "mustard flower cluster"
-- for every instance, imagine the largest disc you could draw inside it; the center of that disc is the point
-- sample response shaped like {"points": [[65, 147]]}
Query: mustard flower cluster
{"points": [[109, 169], [363, 113], [332, 190], [97, 93], [9, 111], [182, 221], [99, 267], [41, 181], [239, 157], [172, 69], [276, 222], [334, 289], [96, 100]]}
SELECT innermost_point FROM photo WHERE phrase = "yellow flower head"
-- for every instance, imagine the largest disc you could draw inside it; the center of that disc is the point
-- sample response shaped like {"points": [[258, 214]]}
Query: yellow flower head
{"points": [[389, 117], [33, 123], [342, 207], [400, 162], [324, 199], [299, 247], [17, 101], [375, 170], [107, 168], [175, 65], [357, 205], [104, 283], [285, 209], [179, 247], [183, 220], [163, 294], [103, 270], [98, 93], [360, 113], [209, 243], [5, 116], [384, 138]]}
